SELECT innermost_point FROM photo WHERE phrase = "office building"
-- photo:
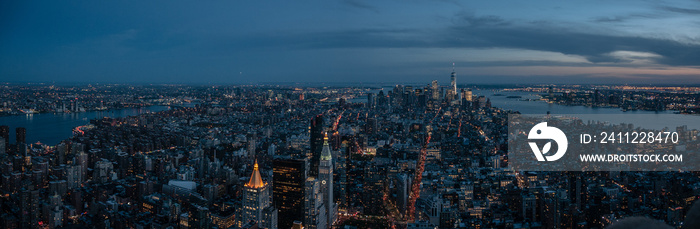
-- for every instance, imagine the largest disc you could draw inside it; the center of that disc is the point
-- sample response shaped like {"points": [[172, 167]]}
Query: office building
{"points": [[289, 177], [256, 204], [316, 143], [21, 135], [315, 216]]}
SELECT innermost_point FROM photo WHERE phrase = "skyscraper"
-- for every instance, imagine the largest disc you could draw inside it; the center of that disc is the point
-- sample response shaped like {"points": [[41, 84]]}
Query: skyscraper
{"points": [[315, 141], [453, 79], [403, 189], [21, 135], [434, 90], [341, 168], [103, 171], [74, 176], [288, 189], [467, 95], [466, 98], [5, 133], [21, 141], [252, 144], [256, 203], [314, 209], [325, 173], [381, 99], [298, 225]]}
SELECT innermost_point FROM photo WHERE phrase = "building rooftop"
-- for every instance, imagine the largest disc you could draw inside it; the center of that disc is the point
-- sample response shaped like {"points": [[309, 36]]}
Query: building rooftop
{"points": [[189, 185], [255, 178]]}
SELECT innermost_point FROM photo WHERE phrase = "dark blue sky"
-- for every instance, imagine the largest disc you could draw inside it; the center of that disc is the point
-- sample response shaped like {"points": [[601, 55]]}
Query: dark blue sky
{"points": [[413, 41]]}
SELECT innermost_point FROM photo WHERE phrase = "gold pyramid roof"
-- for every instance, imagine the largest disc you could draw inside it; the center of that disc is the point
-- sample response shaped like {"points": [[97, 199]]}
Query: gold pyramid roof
{"points": [[255, 179]]}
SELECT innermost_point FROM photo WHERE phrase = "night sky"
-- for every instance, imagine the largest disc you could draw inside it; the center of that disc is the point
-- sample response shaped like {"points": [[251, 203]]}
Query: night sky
{"points": [[352, 41]]}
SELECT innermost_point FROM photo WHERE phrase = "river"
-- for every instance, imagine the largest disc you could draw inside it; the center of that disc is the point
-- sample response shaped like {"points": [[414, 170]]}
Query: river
{"points": [[639, 118], [52, 128]]}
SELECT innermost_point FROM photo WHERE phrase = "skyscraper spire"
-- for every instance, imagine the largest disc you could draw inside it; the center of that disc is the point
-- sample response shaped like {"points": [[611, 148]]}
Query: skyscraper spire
{"points": [[453, 80], [255, 178], [326, 151]]}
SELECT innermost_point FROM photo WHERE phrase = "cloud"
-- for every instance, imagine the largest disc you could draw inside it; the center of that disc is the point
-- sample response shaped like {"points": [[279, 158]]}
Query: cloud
{"points": [[472, 20], [469, 31], [311, 40], [610, 19], [595, 47], [635, 57], [680, 10], [625, 18], [360, 5]]}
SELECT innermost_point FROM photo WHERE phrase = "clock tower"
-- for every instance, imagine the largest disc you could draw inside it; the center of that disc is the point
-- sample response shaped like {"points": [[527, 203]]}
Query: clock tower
{"points": [[325, 173]]}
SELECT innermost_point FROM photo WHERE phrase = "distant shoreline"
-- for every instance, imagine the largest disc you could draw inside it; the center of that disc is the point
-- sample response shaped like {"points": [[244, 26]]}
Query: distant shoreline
{"points": [[86, 111]]}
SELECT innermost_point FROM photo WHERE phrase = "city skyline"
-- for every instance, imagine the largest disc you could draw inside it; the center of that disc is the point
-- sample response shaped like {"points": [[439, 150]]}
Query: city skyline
{"points": [[350, 114], [335, 157], [351, 41]]}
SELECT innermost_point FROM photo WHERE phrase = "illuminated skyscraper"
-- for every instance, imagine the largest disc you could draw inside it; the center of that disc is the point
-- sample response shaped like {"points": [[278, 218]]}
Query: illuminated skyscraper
{"points": [[288, 189], [298, 225], [325, 173], [256, 203], [314, 209], [467, 95], [466, 98], [434, 89], [453, 80]]}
